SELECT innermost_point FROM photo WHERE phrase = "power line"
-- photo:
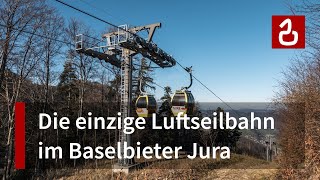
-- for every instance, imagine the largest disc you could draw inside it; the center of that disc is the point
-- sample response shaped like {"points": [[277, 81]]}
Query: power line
{"points": [[86, 13], [53, 39], [95, 17], [64, 42], [103, 10], [92, 37], [68, 43], [40, 35], [159, 86], [210, 90]]}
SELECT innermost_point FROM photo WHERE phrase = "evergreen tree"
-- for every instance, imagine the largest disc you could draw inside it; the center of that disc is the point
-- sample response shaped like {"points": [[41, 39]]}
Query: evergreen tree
{"points": [[226, 137], [165, 137], [67, 87], [165, 108], [144, 74]]}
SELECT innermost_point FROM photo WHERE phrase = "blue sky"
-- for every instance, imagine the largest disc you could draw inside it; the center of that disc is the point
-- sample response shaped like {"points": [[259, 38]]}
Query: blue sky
{"points": [[227, 42]]}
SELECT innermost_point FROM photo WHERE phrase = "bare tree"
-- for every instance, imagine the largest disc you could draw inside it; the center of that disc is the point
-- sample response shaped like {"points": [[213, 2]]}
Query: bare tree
{"points": [[299, 99], [86, 65], [53, 28], [16, 16], [301, 85], [22, 51], [21, 65]]}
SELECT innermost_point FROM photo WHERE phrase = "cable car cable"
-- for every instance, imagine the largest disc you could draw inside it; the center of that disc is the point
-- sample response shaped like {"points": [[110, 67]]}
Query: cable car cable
{"points": [[138, 36], [39, 35], [67, 43], [104, 11], [210, 90], [97, 18]]}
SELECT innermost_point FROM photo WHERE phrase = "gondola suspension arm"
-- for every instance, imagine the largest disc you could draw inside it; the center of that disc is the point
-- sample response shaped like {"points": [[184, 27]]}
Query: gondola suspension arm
{"points": [[189, 70]]}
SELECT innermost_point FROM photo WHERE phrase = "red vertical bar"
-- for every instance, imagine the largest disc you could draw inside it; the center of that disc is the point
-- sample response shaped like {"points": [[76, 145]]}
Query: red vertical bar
{"points": [[19, 142]]}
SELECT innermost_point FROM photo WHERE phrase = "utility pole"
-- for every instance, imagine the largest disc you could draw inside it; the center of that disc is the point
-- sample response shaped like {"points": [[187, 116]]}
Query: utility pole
{"points": [[121, 45], [269, 144]]}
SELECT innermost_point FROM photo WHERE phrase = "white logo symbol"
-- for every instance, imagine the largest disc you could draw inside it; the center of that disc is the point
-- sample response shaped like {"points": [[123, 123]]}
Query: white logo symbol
{"points": [[288, 31]]}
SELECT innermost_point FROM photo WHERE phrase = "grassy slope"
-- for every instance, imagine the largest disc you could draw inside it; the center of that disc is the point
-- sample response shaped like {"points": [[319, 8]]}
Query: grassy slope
{"points": [[238, 167]]}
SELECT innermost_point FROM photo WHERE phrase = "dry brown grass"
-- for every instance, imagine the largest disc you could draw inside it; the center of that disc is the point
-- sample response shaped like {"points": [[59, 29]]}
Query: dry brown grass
{"points": [[238, 167]]}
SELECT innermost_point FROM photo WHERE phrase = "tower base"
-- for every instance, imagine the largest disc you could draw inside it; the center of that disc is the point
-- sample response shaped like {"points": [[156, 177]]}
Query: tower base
{"points": [[117, 168]]}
